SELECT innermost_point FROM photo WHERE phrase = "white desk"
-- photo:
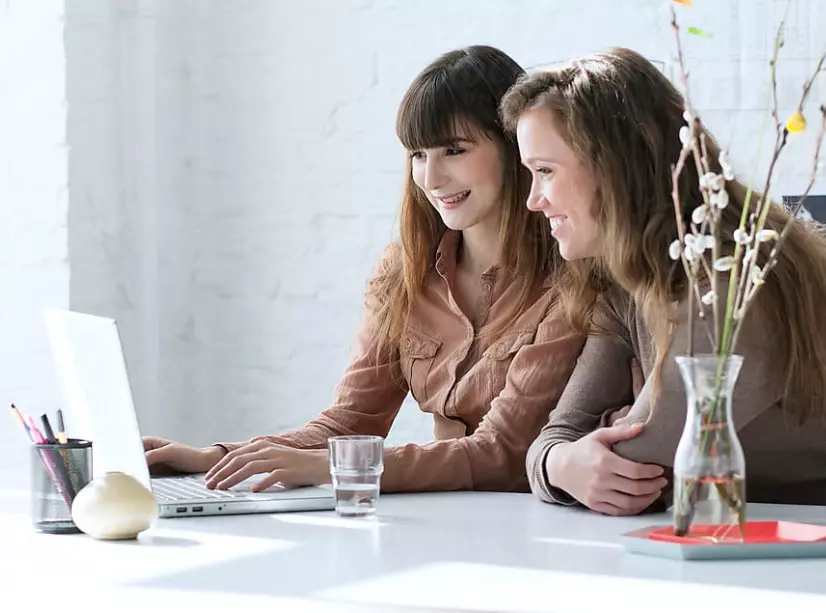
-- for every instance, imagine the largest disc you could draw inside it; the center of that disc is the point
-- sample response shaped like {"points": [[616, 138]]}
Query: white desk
{"points": [[447, 552]]}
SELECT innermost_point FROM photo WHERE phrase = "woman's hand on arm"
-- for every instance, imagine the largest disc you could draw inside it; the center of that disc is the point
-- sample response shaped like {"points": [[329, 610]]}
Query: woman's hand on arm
{"points": [[606, 377], [638, 381], [594, 475]]}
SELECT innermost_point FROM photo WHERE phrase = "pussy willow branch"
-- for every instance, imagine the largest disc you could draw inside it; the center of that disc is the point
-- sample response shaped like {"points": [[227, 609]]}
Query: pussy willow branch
{"points": [[816, 163], [691, 268], [738, 291], [738, 284], [766, 203], [796, 211], [712, 214], [681, 61], [675, 196], [782, 139], [702, 261], [737, 509]]}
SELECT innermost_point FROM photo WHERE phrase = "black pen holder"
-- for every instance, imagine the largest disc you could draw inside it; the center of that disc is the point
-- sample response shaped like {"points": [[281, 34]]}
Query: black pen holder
{"points": [[58, 473]]}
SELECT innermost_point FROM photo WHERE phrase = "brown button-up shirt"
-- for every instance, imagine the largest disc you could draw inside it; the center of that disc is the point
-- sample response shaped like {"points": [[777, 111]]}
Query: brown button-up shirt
{"points": [[488, 399]]}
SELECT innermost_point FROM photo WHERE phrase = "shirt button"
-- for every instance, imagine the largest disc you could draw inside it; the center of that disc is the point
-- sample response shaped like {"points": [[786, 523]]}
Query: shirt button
{"points": [[486, 287]]}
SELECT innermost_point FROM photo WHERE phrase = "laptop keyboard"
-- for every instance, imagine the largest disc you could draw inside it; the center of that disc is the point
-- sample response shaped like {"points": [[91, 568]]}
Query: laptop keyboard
{"points": [[186, 488]]}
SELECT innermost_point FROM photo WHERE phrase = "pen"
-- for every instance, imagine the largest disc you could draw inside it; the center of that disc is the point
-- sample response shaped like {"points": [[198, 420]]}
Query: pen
{"points": [[47, 429]]}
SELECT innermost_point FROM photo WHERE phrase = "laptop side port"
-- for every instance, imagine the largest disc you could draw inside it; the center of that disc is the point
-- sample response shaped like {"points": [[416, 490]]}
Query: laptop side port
{"points": [[197, 509], [180, 510]]}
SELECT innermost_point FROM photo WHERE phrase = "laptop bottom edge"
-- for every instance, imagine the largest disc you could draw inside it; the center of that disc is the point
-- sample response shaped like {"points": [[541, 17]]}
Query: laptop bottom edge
{"points": [[244, 507]]}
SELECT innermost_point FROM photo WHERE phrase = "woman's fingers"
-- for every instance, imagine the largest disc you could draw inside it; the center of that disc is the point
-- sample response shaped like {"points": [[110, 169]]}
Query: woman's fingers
{"points": [[239, 465], [627, 504], [632, 470], [636, 487], [276, 476], [232, 455], [252, 467]]}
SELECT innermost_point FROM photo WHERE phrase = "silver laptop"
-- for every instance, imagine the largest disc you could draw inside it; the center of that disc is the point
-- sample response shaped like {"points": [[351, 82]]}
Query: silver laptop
{"points": [[98, 406]]}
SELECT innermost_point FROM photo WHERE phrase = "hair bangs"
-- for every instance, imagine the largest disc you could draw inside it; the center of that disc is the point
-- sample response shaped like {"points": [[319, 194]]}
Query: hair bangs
{"points": [[436, 114]]}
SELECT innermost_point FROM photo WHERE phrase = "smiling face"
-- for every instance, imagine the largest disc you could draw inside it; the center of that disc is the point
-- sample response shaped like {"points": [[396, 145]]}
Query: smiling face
{"points": [[562, 188], [462, 180]]}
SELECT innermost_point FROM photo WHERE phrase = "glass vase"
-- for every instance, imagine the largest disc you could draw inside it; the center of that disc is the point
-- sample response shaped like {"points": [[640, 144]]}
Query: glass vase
{"points": [[709, 465]]}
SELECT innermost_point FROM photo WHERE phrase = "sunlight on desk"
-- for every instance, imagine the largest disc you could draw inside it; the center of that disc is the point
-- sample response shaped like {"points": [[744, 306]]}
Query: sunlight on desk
{"points": [[108, 562], [558, 540], [480, 587], [361, 523]]}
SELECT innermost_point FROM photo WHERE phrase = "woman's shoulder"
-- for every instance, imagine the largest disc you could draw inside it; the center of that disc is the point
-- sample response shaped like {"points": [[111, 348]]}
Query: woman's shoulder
{"points": [[390, 260], [614, 310], [385, 276]]}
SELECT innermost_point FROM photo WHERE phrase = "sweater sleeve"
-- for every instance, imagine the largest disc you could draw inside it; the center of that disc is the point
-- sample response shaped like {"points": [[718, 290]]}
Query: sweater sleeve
{"points": [[601, 383], [759, 387]]}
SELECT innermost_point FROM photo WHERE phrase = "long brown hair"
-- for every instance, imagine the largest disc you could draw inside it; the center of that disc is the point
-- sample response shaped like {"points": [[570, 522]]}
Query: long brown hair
{"points": [[622, 117], [461, 89]]}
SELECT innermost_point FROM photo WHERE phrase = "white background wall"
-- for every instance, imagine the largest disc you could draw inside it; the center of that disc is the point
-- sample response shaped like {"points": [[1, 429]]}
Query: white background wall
{"points": [[34, 269], [233, 173]]}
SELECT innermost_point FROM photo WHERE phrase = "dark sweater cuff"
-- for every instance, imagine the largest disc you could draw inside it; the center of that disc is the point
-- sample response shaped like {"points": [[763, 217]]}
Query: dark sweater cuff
{"points": [[549, 492]]}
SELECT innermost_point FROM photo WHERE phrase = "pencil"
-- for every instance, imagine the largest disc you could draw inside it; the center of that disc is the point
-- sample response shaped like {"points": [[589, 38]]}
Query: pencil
{"points": [[16, 412], [61, 428]]}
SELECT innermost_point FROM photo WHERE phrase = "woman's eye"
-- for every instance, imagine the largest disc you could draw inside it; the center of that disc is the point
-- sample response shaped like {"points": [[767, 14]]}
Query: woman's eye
{"points": [[417, 155], [454, 151], [544, 172]]}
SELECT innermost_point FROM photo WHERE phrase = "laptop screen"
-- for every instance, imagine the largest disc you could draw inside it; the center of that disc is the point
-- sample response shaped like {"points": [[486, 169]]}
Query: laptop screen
{"points": [[91, 371]]}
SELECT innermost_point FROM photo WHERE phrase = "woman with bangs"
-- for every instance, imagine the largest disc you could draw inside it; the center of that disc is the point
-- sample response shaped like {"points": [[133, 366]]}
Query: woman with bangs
{"points": [[461, 312], [599, 137]]}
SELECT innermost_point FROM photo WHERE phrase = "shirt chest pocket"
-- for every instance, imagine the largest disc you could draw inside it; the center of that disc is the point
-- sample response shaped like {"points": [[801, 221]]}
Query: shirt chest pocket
{"points": [[500, 355], [417, 353]]}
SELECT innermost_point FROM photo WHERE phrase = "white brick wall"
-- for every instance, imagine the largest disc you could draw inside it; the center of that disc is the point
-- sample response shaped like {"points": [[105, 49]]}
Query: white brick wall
{"points": [[34, 270], [234, 170]]}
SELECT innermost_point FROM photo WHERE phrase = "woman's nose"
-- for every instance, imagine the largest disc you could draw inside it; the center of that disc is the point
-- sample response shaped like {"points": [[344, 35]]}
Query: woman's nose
{"points": [[536, 201], [434, 174]]}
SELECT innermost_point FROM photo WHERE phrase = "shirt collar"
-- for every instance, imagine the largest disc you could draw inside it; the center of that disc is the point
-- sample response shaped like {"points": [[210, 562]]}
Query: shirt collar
{"points": [[447, 252]]}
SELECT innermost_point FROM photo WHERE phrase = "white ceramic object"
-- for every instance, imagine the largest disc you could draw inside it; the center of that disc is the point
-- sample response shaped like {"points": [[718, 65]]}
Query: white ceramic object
{"points": [[115, 506]]}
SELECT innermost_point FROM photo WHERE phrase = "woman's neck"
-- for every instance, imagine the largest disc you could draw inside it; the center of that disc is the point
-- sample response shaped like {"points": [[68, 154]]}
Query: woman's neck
{"points": [[480, 247]]}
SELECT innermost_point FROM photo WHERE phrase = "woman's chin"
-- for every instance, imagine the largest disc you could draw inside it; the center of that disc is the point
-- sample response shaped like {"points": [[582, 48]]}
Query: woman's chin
{"points": [[571, 253], [455, 222], [567, 253]]}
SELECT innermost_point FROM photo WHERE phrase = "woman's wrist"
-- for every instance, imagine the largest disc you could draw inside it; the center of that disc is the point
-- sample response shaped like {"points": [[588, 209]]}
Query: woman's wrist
{"points": [[555, 465], [215, 453], [322, 466]]}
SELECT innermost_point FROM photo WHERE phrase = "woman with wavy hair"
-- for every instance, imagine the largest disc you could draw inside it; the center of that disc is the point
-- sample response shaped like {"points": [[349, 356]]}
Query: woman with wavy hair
{"points": [[461, 312], [599, 137]]}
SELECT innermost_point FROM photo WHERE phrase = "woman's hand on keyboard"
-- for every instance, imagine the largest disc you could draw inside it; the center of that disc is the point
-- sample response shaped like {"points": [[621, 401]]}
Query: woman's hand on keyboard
{"points": [[164, 454], [285, 465]]}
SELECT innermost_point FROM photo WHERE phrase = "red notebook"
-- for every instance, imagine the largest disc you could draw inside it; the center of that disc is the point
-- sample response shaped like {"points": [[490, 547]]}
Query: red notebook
{"points": [[763, 539], [756, 532]]}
